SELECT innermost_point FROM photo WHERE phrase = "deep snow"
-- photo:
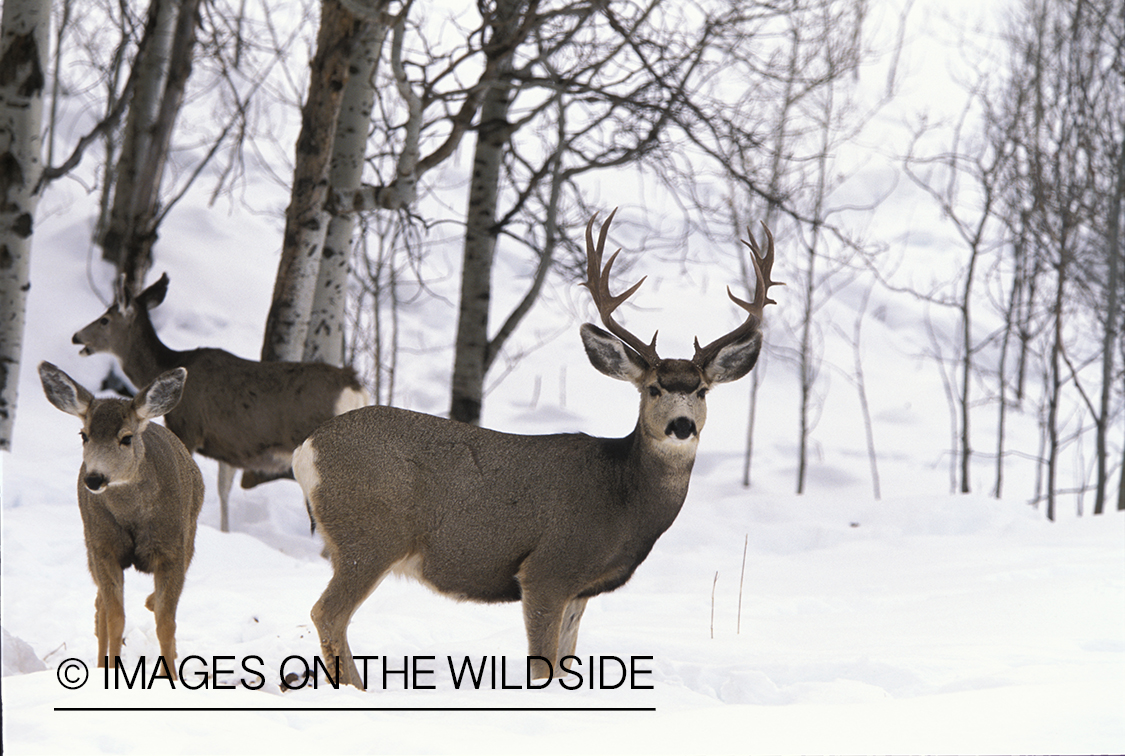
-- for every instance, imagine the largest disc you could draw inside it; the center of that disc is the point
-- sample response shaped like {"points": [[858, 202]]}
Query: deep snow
{"points": [[919, 623]]}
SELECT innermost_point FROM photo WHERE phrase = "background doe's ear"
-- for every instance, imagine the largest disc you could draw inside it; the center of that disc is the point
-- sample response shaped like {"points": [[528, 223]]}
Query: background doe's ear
{"points": [[611, 357], [154, 295], [63, 392], [161, 396], [734, 360]]}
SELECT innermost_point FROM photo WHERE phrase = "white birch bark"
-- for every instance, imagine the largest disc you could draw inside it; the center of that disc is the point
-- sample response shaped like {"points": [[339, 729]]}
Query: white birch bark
{"points": [[24, 46], [306, 219], [493, 134], [325, 339], [144, 109]]}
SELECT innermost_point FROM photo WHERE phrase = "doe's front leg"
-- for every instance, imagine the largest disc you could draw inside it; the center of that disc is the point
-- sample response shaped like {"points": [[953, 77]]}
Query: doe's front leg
{"points": [[168, 584], [109, 614]]}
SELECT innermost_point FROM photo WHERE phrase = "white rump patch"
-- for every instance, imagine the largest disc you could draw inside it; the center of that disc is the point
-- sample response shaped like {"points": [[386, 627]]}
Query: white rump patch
{"points": [[351, 399], [304, 468]]}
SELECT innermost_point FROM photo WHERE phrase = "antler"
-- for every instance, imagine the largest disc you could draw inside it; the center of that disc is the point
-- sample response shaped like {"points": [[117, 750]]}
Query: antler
{"points": [[763, 264], [598, 284]]}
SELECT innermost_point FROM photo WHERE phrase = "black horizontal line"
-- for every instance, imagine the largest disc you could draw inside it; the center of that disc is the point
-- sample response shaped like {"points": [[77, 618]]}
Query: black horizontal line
{"points": [[312, 709]]}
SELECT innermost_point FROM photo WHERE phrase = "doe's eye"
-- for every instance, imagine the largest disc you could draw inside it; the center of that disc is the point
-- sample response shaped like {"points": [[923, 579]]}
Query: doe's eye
{"points": [[126, 440], [701, 393], [653, 391], [83, 436], [103, 321]]}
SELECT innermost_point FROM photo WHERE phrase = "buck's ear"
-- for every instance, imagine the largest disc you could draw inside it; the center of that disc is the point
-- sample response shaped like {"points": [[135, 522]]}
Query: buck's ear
{"points": [[734, 360], [161, 396], [611, 357], [63, 392]]}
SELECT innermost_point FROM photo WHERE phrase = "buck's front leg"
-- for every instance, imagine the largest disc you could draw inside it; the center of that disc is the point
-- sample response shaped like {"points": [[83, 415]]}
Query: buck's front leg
{"points": [[543, 616], [568, 636]]}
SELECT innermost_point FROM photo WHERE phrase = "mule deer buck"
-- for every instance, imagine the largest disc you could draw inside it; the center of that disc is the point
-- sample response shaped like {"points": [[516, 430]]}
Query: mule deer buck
{"points": [[546, 520], [245, 414], [139, 493]]}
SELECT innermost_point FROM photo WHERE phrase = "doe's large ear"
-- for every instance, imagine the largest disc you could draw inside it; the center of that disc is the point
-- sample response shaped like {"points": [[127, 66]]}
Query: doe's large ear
{"points": [[734, 360], [63, 391], [154, 295], [161, 396], [611, 357]]}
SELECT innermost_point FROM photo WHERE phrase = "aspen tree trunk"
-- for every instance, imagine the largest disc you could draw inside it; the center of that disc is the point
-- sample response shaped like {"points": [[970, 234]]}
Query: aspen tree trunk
{"points": [[781, 139], [480, 222], [164, 67], [967, 370], [306, 218], [1054, 388], [325, 339], [1109, 340], [1002, 383], [24, 45], [1121, 467], [479, 252]]}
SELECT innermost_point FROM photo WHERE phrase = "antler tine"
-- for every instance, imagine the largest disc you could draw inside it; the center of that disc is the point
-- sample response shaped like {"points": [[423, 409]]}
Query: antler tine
{"points": [[763, 264], [598, 284]]}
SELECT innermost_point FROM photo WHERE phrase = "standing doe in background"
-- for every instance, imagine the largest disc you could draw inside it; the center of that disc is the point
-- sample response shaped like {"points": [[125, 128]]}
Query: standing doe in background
{"points": [[245, 414], [546, 520], [139, 493]]}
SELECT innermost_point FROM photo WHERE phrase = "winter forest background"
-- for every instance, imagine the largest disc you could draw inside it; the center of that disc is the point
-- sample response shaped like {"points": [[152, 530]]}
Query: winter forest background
{"points": [[729, 112], [849, 128], [404, 187]]}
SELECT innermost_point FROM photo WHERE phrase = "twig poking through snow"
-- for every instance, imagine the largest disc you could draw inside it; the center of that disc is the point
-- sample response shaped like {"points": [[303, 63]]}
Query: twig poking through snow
{"points": [[741, 580], [713, 584]]}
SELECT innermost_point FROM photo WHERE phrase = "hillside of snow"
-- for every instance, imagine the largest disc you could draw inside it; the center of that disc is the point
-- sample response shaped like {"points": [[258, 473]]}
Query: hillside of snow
{"points": [[921, 622]]}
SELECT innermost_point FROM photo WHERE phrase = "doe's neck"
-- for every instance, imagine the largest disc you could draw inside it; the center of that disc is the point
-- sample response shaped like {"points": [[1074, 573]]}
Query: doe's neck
{"points": [[146, 356]]}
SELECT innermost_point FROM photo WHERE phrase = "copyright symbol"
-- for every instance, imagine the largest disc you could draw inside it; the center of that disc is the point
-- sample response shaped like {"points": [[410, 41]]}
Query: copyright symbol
{"points": [[72, 674]]}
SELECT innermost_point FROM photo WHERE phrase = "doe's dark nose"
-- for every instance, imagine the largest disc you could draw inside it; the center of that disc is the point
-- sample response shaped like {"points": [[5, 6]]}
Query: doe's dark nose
{"points": [[95, 481], [681, 427]]}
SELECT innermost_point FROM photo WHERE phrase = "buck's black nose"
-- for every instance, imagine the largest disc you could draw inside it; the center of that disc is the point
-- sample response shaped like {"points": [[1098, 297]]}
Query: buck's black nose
{"points": [[75, 340], [95, 482], [682, 427]]}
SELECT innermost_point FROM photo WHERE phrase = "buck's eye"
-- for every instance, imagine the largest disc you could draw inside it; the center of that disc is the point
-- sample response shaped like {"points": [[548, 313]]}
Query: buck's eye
{"points": [[104, 321], [126, 440], [84, 437], [702, 393], [653, 391]]}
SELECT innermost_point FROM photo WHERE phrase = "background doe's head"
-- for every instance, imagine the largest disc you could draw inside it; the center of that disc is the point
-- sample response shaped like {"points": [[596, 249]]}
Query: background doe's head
{"points": [[124, 321]]}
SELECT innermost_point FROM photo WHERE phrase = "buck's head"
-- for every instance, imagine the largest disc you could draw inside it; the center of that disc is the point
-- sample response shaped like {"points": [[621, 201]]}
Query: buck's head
{"points": [[112, 429], [114, 331], [673, 391]]}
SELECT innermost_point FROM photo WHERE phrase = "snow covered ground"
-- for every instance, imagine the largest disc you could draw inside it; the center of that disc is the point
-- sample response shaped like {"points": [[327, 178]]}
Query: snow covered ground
{"points": [[919, 623]]}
